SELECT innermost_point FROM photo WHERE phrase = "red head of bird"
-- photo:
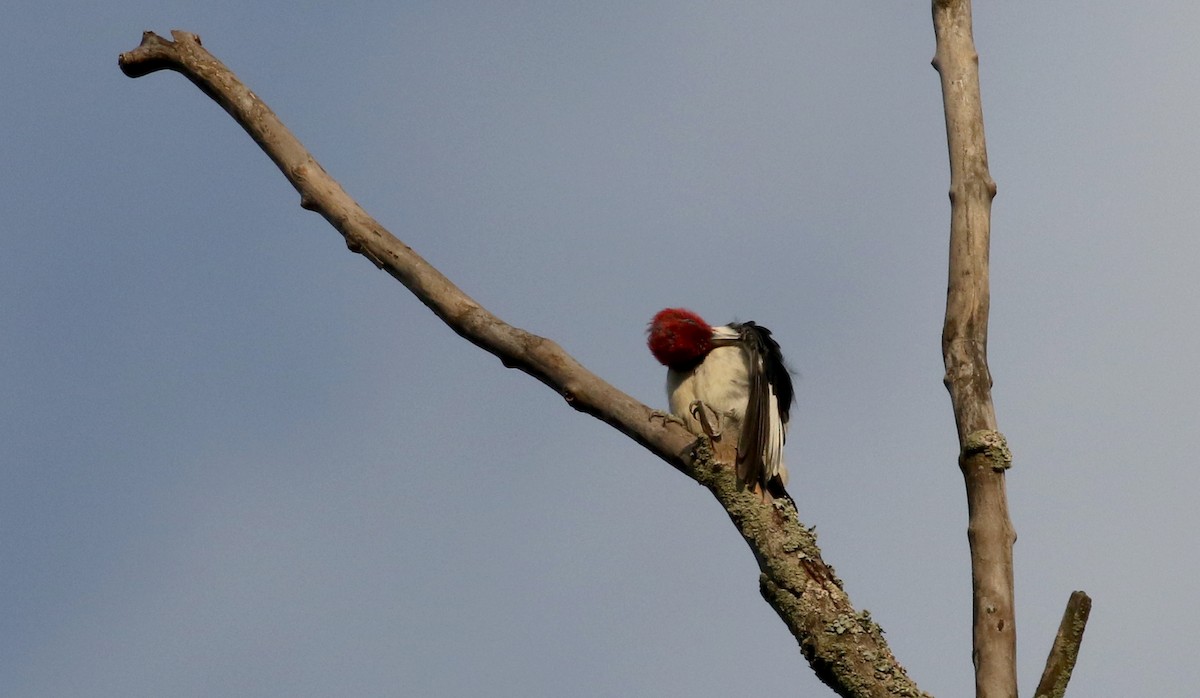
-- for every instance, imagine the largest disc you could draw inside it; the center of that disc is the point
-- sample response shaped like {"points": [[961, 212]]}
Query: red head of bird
{"points": [[679, 338]]}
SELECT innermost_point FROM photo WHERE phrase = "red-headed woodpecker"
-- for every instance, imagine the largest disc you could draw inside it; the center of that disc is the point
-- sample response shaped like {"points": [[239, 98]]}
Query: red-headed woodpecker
{"points": [[728, 379]]}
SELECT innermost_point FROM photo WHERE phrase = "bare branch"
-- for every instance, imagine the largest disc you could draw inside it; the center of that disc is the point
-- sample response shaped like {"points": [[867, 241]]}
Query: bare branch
{"points": [[844, 647], [1065, 649], [984, 456]]}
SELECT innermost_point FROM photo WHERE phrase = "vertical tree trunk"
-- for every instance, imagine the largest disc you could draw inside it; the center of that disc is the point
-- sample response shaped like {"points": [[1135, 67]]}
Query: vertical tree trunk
{"points": [[983, 455]]}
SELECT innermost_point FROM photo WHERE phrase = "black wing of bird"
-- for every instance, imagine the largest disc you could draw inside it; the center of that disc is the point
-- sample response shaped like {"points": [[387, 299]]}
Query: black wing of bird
{"points": [[769, 380]]}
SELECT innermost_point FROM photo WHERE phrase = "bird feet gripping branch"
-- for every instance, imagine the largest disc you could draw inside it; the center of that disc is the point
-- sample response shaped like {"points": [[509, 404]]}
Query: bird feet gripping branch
{"points": [[701, 414], [706, 417], [668, 417]]}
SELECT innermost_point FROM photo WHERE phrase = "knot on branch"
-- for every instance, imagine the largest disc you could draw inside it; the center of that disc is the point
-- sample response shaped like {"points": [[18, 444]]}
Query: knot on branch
{"points": [[990, 444]]}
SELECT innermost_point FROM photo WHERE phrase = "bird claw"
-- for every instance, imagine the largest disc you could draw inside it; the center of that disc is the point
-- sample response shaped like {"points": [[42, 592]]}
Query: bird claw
{"points": [[667, 417], [700, 412]]}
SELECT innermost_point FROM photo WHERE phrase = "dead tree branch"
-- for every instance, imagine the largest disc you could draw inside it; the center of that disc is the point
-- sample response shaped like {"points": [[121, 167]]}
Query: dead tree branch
{"points": [[1065, 649], [844, 647]]}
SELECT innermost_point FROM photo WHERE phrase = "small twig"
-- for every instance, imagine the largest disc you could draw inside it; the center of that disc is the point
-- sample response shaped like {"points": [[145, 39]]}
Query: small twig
{"points": [[1065, 649]]}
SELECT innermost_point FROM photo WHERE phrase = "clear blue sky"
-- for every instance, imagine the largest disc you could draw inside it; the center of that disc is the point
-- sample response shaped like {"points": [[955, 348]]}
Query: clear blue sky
{"points": [[238, 460]]}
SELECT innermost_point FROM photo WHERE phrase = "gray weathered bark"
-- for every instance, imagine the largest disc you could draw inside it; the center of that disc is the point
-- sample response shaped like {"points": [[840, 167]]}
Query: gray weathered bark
{"points": [[983, 454]]}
